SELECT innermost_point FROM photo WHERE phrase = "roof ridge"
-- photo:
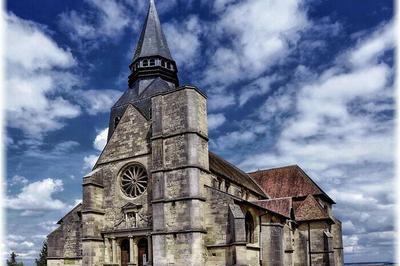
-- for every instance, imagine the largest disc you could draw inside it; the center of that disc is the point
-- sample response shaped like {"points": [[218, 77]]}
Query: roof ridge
{"points": [[235, 167], [275, 168]]}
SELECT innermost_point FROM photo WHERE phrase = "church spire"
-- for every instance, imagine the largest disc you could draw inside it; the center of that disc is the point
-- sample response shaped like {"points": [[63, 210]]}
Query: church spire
{"points": [[152, 57]]}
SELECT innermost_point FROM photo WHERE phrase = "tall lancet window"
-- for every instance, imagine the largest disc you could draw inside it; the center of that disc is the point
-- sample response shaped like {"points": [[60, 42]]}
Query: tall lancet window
{"points": [[249, 224]]}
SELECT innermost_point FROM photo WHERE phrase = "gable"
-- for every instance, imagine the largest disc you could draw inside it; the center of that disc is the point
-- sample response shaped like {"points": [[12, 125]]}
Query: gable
{"points": [[130, 137], [309, 209]]}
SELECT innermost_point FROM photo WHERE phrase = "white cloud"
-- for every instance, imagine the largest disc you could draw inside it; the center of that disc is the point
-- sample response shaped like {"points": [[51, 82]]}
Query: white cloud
{"points": [[257, 43], [89, 161], [219, 98], [183, 40], [18, 180], [215, 121], [33, 78], [338, 133], [369, 49], [37, 196], [96, 101], [101, 140], [101, 20], [258, 87]]}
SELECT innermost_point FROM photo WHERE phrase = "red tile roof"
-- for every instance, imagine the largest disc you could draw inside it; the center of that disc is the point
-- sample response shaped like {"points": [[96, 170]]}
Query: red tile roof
{"points": [[288, 181], [281, 206]]}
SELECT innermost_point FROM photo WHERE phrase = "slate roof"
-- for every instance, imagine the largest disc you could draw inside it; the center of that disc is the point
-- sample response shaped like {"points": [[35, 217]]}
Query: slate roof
{"points": [[221, 167], [309, 209], [281, 206], [143, 101], [288, 181], [152, 40]]}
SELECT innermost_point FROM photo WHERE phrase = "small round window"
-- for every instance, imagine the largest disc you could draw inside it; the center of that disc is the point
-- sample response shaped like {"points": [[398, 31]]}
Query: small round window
{"points": [[134, 180]]}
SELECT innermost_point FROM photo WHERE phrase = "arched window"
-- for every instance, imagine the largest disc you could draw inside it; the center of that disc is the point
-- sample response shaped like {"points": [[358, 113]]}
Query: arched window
{"points": [[152, 62], [116, 121], [145, 63], [249, 224], [163, 63]]}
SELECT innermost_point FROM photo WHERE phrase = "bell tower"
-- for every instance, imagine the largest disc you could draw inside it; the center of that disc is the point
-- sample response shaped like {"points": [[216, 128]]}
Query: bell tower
{"points": [[153, 70], [152, 57]]}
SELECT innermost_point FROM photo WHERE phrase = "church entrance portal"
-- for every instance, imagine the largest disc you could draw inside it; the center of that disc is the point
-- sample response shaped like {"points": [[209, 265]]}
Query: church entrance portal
{"points": [[125, 252], [142, 252]]}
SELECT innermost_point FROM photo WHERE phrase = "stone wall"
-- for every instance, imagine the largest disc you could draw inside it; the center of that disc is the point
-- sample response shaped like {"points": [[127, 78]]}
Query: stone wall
{"points": [[65, 241]]}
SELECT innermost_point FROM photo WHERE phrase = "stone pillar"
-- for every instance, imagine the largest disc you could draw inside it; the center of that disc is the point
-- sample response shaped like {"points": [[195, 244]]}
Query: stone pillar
{"points": [[114, 251], [180, 160], [272, 244], [107, 258], [132, 260]]}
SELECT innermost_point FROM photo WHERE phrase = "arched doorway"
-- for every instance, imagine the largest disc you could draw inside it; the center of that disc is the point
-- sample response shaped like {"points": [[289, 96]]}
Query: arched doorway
{"points": [[143, 256], [124, 252]]}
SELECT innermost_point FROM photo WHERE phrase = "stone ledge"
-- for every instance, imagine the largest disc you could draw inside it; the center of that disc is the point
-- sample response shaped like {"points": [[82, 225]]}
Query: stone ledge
{"points": [[178, 199], [227, 245], [166, 136], [91, 183], [179, 232], [64, 258], [180, 168], [93, 211], [92, 238], [272, 224], [185, 87]]}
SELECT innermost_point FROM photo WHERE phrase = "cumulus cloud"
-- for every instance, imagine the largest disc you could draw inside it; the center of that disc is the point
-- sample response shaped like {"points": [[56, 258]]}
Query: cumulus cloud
{"points": [[37, 196], [33, 78], [101, 20], [340, 132], [184, 40], [256, 44], [101, 140], [99, 143], [96, 101]]}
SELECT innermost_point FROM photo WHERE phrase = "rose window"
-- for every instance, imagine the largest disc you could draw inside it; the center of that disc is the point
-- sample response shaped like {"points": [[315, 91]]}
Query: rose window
{"points": [[134, 180]]}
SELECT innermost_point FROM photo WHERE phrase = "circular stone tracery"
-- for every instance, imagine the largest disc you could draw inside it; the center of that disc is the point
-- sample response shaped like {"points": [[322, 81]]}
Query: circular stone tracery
{"points": [[134, 180]]}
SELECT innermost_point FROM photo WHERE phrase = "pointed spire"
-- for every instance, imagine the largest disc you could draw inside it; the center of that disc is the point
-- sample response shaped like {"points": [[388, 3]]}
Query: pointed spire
{"points": [[152, 40]]}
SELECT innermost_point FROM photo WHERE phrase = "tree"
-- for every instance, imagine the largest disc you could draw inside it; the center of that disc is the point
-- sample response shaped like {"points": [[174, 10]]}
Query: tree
{"points": [[13, 260], [42, 261]]}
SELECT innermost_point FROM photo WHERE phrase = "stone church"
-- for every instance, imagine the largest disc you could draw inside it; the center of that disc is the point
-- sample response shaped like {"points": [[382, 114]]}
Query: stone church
{"points": [[158, 196]]}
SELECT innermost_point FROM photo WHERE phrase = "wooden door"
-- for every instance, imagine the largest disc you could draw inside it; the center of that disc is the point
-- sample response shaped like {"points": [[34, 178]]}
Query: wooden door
{"points": [[143, 256], [124, 252]]}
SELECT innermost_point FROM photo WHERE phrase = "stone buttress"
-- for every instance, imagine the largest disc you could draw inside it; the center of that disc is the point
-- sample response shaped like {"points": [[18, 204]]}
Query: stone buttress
{"points": [[180, 158]]}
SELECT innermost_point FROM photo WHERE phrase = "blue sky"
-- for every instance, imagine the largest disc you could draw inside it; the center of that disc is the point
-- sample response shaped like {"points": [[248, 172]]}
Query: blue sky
{"points": [[288, 82]]}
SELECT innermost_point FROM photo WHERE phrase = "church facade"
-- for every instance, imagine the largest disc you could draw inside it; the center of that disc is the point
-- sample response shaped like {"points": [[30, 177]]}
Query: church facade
{"points": [[158, 196]]}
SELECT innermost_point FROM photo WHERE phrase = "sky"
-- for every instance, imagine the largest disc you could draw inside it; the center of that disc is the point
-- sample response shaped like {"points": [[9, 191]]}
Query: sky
{"points": [[288, 82]]}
